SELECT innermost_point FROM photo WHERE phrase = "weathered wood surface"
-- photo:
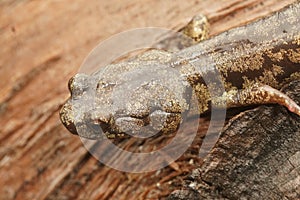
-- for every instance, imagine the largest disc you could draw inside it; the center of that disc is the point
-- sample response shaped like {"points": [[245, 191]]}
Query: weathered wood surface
{"points": [[42, 45], [256, 157]]}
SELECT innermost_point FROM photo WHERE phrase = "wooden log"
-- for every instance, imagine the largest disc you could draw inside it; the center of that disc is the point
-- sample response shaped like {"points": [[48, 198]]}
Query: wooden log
{"points": [[256, 157]]}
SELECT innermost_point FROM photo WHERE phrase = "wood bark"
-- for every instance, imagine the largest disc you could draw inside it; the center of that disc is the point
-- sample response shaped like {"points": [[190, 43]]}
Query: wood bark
{"points": [[256, 157], [43, 44]]}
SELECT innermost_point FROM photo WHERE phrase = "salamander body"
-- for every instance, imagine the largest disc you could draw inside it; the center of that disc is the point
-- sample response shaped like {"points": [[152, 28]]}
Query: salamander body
{"points": [[243, 66]]}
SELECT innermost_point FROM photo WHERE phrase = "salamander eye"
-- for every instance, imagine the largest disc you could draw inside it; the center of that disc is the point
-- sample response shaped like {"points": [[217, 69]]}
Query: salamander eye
{"points": [[105, 85], [78, 84], [70, 84]]}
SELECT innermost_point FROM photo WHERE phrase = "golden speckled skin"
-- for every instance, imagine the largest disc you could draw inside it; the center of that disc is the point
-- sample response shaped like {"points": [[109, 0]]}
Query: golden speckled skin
{"points": [[252, 62], [266, 52]]}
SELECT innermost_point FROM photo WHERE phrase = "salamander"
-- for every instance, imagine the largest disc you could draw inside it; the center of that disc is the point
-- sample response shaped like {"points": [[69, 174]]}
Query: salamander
{"points": [[243, 66]]}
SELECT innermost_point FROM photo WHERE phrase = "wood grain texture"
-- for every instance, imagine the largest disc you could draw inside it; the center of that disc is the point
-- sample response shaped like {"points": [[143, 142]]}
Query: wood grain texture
{"points": [[43, 44]]}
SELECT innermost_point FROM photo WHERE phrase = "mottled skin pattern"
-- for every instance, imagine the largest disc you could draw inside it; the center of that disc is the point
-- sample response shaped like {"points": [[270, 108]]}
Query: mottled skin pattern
{"points": [[252, 63]]}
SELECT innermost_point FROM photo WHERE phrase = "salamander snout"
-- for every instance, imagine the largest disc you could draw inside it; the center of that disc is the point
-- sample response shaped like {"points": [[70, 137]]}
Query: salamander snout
{"points": [[77, 85]]}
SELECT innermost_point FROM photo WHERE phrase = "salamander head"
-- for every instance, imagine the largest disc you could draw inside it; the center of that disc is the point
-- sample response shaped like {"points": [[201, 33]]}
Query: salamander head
{"points": [[126, 99]]}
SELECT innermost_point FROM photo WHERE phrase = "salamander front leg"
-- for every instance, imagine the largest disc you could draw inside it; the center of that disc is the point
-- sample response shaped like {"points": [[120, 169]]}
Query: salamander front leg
{"points": [[192, 33], [197, 29], [260, 94]]}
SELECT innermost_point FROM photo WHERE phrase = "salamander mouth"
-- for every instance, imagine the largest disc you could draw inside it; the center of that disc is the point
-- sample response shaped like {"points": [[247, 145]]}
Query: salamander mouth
{"points": [[121, 126], [142, 127], [137, 126]]}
